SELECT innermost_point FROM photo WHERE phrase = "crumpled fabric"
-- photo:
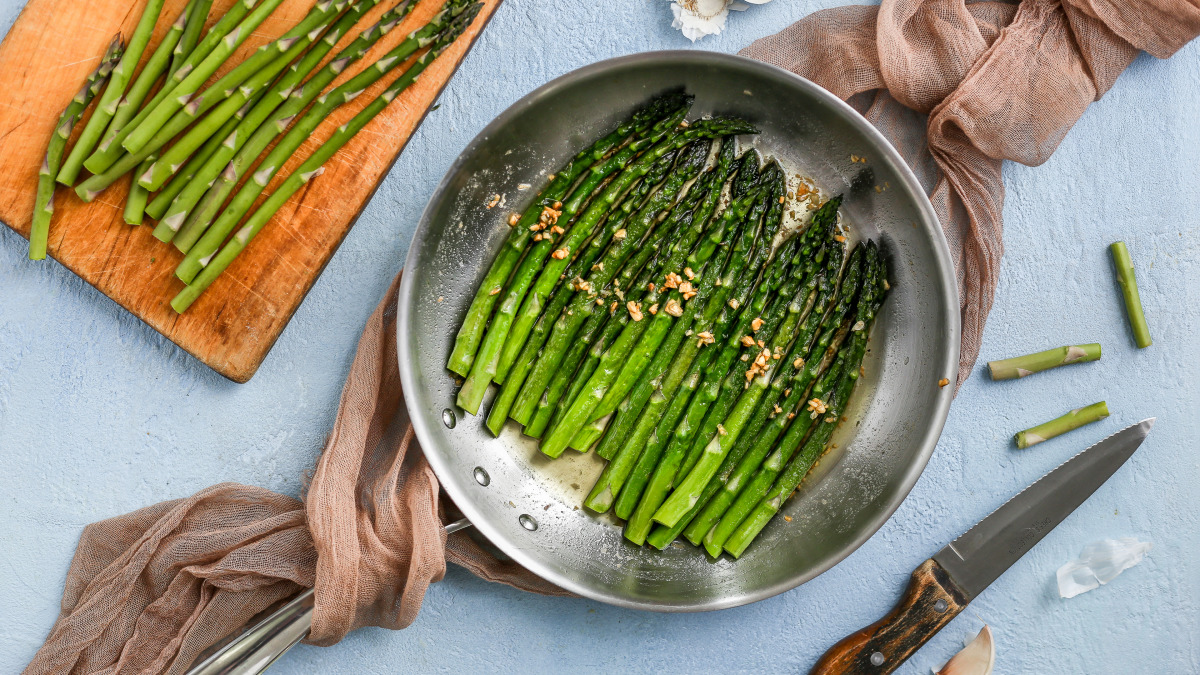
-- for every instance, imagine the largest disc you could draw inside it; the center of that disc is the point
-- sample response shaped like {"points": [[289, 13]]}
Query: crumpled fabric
{"points": [[149, 591], [958, 87]]}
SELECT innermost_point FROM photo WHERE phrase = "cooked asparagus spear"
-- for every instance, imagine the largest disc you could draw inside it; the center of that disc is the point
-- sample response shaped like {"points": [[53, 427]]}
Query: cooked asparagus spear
{"points": [[1129, 289], [747, 483], [44, 203], [1020, 366], [312, 166], [106, 107], [466, 343], [1061, 425]]}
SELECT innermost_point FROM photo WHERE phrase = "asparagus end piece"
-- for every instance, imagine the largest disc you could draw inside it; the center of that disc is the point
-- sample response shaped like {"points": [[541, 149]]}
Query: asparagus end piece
{"points": [[1021, 366], [1129, 288], [1056, 427]]}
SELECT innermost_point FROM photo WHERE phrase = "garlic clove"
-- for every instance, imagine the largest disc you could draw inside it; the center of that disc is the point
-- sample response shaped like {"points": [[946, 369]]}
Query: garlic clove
{"points": [[977, 658]]}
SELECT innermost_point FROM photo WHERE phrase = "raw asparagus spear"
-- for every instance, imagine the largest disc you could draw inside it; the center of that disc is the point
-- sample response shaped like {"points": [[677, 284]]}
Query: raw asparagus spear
{"points": [[110, 150], [1129, 289], [186, 145], [1061, 425], [189, 88], [195, 16], [106, 107], [726, 510], [466, 343], [312, 167], [44, 203], [1020, 366], [135, 202], [210, 243], [190, 215]]}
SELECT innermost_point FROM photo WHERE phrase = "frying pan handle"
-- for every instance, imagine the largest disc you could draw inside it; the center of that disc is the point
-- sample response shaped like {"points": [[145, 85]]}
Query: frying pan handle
{"points": [[258, 647]]}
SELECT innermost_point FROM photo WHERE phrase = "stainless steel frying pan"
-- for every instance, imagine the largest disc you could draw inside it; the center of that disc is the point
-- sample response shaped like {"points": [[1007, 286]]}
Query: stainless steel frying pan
{"points": [[528, 505]]}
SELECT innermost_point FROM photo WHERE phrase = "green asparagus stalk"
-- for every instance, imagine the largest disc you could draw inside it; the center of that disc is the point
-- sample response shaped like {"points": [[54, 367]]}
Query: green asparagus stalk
{"points": [[44, 203], [195, 16], [1129, 289], [598, 331], [621, 365], [621, 246], [638, 448], [1020, 366], [198, 255], [157, 208], [106, 107], [174, 157], [190, 215], [1061, 425], [110, 150], [135, 203], [790, 479], [487, 361], [689, 492], [312, 167], [732, 504], [694, 211], [656, 475], [470, 334], [189, 89]]}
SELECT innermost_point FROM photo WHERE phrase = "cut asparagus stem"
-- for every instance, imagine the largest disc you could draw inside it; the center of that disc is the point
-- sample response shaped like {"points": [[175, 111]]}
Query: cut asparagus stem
{"points": [[470, 334], [1061, 425], [110, 150], [43, 208], [241, 203], [1129, 288], [106, 107], [188, 91], [1020, 366], [312, 166], [234, 104], [135, 203], [195, 16], [197, 204]]}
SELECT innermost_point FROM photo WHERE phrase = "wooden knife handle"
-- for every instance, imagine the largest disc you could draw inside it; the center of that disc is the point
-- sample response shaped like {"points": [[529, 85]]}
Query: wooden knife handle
{"points": [[931, 601]]}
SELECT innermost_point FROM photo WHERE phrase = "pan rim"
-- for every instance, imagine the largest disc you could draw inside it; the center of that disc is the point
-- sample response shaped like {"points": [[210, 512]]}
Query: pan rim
{"points": [[944, 275]]}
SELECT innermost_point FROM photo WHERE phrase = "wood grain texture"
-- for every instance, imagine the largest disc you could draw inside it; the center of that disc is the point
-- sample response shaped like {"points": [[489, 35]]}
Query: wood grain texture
{"points": [[898, 635], [44, 58]]}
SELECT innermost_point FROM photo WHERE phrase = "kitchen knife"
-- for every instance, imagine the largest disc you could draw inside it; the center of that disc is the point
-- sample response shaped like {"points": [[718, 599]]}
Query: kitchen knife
{"points": [[942, 586]]}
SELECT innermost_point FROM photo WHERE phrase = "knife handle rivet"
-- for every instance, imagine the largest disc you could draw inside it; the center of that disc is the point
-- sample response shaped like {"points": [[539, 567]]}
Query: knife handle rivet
{"points": [[940, 606], [877, 659]]}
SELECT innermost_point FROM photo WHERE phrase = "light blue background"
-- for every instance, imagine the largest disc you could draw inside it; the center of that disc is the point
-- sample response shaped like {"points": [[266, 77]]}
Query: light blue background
{"points": [[99, 415]]}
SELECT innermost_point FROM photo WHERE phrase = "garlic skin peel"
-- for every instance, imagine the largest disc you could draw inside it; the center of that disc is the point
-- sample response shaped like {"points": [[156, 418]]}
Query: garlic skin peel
{"points": [[697, 18]]}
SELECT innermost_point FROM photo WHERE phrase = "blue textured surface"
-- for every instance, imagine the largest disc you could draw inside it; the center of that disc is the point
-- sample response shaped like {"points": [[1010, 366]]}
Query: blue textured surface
{"points": [[99, 415]]}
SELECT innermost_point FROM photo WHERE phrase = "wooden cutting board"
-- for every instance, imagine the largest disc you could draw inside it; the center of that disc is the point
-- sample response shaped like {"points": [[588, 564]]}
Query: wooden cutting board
{"points": [[43, 60]]}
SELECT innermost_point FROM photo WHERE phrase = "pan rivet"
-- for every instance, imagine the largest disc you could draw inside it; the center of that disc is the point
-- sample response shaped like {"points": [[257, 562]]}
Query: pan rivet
{"points": [[527, 522], [940, 606], [481, 476], [448, 418], [877, 659]]}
